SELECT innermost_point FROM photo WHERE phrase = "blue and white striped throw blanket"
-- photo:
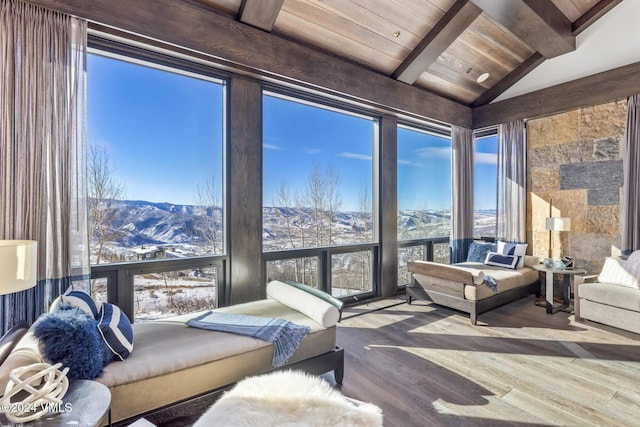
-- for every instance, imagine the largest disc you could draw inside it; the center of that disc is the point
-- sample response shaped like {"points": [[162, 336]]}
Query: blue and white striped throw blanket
{"points": [[491, 283], [285, 336]]}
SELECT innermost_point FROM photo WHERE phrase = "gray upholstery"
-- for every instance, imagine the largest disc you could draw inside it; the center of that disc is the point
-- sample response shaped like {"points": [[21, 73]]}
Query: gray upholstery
{"points": [[610, 304]]}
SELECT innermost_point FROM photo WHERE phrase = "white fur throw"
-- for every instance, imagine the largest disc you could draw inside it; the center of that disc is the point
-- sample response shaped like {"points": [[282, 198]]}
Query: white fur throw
{"points": [[315, 308], [287, 399]]}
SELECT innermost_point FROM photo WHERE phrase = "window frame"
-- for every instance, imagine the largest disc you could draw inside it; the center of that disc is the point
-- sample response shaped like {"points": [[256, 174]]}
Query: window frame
{"points": [[120, 276], [324, 254]]}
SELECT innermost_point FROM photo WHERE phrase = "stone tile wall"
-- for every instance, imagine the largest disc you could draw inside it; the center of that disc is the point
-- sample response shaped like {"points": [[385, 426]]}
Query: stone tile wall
{"points": [[574, 168]]}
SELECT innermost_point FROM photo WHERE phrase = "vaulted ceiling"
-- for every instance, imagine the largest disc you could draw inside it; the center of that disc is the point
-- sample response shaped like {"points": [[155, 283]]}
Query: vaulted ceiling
{"points": [[469, 51]]}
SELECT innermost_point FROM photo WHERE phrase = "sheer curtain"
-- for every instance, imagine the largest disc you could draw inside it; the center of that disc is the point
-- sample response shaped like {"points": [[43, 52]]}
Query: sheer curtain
{"points": [[512, 176], [42, 140], [631, 166], [461, 193]]}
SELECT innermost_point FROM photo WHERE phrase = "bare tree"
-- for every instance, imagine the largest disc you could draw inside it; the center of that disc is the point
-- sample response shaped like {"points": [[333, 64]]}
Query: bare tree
{"points": [[286, 211], [207, 200], [103, 189], [322, 196], [314, 197], [333, 198]]}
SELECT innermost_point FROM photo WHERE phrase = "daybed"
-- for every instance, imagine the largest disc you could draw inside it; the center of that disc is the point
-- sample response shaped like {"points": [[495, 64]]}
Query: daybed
{"points": [[463, 287], [172, 362], [612, 297]]}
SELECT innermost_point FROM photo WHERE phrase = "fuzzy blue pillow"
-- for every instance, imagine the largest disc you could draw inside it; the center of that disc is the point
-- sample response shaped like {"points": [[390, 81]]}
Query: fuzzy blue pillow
{"points": [[70, 336], [478, 251]]}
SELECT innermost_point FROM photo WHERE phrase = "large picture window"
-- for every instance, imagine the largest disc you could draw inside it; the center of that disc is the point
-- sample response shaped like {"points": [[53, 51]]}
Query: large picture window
{"points": [[424, 194], [155, 179], [318, 175], [318, 182], [485, 186]]}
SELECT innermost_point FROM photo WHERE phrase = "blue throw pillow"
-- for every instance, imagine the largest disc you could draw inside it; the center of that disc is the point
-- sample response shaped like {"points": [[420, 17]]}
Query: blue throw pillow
{"points": [[70, 336], [116, 331], [478, 251], [501, 260], [78, 298]]}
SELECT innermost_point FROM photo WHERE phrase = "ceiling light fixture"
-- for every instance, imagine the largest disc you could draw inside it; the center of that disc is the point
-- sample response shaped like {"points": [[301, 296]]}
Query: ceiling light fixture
{"points": [[482, 77]]}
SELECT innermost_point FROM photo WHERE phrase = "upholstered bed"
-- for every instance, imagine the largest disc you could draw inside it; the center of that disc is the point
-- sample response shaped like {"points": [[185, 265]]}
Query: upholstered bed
{"points": [[464, 287], [172, 362]]}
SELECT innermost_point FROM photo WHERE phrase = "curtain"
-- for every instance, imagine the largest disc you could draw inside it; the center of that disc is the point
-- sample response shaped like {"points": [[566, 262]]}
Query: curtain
{"points": [[461, 193], [512, 175], [631, 166], [42, 140]]}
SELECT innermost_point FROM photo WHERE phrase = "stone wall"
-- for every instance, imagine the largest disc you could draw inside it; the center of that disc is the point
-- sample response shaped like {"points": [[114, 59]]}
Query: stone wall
{"points": [[574, 169]]}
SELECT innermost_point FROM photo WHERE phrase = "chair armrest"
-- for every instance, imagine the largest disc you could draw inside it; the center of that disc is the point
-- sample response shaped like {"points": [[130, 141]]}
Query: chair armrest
{"points": [[580, 279]]}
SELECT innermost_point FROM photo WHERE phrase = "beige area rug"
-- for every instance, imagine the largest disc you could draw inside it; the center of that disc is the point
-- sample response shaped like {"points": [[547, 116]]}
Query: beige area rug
{"points": [[287, 399]]}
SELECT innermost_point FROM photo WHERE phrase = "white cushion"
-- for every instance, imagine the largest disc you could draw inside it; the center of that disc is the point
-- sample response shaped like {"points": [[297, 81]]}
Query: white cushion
{"points": [[615, 271], [515, 249], [321, 311], [501, 260]]}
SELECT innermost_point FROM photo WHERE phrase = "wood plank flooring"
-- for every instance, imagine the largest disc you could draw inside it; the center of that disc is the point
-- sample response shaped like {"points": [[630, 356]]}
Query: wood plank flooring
{"points": [[426, 365]]}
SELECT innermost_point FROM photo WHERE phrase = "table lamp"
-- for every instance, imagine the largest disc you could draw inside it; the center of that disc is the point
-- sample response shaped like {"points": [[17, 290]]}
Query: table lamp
{"points": [[556, 224], [18, 265]]}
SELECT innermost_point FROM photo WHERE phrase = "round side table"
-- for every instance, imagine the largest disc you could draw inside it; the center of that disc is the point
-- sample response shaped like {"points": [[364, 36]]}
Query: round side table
{"points": [[85, 404], [566, 289]]}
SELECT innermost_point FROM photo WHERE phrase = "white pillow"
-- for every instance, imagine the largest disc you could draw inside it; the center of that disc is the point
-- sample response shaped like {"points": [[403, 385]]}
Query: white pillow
{"points": [[501, 260], [313, 307], [614, 271], [515, 249]]}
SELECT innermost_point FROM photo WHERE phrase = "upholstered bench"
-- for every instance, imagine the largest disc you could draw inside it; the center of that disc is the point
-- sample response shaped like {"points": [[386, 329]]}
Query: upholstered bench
{"points": [[172, 362]]}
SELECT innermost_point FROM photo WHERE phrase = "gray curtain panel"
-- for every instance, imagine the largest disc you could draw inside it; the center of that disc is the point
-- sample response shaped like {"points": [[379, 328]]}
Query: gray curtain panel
{"points": [[42, 139], [512, 188], [462, 154], [631, 166]]}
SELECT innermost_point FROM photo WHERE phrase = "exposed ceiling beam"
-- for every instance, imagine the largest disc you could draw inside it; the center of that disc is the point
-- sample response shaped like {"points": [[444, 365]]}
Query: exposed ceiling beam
{"points": [[600, 88], [592, 15], [510, 79], [260, 13], [198, 28], [540, 24], [452, 24]]}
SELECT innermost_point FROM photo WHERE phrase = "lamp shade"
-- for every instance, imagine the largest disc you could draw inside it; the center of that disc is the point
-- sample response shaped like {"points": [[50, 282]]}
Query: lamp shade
{"points": [[558, 224], [18, 265]]}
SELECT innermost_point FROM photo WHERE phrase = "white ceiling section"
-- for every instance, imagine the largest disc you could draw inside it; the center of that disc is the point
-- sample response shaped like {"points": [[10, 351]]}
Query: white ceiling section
{"points": [[611, 42]]}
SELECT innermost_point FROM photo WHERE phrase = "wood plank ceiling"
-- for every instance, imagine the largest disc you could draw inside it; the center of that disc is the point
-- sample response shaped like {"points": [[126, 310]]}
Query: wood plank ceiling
{"points": [[442, 46]]}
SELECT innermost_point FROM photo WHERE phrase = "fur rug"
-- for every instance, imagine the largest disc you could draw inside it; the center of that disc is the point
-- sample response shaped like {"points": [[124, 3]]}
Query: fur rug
{"points": [[287, 399]]}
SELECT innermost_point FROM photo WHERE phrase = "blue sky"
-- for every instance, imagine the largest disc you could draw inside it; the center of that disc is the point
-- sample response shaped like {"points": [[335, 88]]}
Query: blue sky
{"points": [[163, 133], [164, 143]]}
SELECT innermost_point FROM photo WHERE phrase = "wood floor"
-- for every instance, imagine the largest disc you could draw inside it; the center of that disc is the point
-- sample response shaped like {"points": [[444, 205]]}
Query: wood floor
{"points": [[426, 365]]}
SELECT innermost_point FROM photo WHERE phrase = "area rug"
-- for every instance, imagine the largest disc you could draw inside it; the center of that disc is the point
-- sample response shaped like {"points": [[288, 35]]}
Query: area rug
{"points": [[287, 399]]}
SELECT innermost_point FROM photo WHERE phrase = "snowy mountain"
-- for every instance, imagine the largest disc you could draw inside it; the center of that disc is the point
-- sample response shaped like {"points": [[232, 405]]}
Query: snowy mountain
{"points": [[186, 229]]}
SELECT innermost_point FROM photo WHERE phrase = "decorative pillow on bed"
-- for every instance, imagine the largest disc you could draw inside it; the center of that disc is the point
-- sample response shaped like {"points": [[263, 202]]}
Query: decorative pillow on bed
{"points": [[313, 307], [70, 336], [115, 328], [501, 260], [515, 249], [77, 298], [478, 251]]}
